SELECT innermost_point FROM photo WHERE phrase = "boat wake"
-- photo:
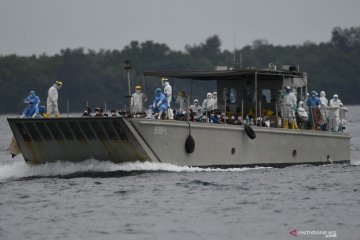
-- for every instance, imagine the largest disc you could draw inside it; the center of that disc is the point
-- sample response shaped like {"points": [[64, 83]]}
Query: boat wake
{"points": [[95, 168]]}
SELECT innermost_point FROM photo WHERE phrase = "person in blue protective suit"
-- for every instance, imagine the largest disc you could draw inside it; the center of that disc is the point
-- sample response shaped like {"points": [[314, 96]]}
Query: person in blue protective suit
{"points": [[160, 104], [213, 118], [33, 101], [314, 103]]}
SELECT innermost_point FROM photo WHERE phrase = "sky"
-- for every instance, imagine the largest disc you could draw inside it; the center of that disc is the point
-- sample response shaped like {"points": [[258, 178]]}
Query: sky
{"points": [[30, 27]]}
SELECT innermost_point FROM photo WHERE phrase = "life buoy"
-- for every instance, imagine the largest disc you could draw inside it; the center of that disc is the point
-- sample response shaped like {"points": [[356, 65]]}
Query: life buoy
{"points": [[250, 132], [189, 144]]}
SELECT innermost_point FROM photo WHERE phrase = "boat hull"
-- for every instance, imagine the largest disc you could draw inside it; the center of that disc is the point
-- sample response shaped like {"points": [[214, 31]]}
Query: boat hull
{"points": [[229, 145], [121, 140]]}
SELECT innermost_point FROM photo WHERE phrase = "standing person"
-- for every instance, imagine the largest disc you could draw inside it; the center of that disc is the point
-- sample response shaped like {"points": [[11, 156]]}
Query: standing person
{"points": [[182, 101], [215, 105], [168, 94], [137, 100], [324, 104], [302, 115], [334, 113], [32, 110], [314, 103], [289, 106], [208, 103], [52, 99]]}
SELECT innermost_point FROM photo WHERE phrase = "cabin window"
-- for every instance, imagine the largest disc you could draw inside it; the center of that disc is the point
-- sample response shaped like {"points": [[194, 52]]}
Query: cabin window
{"points": [[233, 95], [76, 130], [55, 131], [44, 131], [230, 95], [248, 94], [266, 96], [87, 130], [65, 130], [32, 130]]}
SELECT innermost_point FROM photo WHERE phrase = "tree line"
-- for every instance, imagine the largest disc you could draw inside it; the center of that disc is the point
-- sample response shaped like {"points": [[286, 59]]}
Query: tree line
{"points": [[98, 78]]}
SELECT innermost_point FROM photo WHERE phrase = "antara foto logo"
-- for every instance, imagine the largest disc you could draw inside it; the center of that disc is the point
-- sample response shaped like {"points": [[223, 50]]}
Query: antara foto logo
{"points": [[293, 233]]}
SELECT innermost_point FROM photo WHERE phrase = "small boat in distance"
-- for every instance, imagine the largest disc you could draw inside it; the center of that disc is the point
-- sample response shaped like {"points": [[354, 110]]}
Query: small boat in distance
{"points": [[120, 139]]}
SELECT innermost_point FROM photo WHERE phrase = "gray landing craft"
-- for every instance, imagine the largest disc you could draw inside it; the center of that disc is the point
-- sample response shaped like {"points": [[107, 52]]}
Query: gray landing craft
{"points": [[119, 139]]}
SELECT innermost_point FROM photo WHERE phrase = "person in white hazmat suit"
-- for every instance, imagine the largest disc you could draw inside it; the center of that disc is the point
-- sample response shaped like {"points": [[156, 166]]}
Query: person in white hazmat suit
{"points": [[215, 105], [302, 114], [208, 103], [182, 101], [52, 100], [334, 113], [168, 94], [137, 100], [324, 105], [196, 109], [289, 106]]}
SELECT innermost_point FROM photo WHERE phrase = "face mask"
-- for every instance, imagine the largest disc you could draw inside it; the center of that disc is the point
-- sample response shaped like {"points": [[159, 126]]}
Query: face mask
{"points": [[232, 117], [137, 91], [212, 115], [218, 116]]}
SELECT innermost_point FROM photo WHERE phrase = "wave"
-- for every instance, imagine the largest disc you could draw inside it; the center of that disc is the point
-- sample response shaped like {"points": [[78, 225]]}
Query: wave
{"points": [[95, 168]]}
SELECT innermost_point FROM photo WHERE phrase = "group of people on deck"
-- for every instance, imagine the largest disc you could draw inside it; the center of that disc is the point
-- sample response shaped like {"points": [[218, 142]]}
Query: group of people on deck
{"points": [[315, 113], [320, 114], [161, 105]]}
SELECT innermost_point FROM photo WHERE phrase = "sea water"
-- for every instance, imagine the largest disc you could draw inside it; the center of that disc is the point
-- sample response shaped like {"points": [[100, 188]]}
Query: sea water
{"points": [[102, 200]]}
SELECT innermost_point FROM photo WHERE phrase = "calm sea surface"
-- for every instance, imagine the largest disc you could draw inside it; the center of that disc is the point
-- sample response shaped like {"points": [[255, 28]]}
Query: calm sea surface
{"points": [[100, 200]]}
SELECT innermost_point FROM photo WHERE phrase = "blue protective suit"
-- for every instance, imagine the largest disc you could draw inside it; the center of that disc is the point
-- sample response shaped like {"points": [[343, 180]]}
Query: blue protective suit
{"points": [[160, 102], [313, 102], [32, 110], [214, 119]]}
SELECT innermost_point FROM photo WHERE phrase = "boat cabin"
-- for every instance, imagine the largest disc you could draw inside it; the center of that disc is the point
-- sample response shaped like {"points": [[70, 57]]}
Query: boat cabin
{"points": [[249, 91]]}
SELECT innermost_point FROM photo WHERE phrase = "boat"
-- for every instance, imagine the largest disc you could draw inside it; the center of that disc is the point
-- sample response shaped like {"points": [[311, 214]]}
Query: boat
{"points": [[122, 139]]}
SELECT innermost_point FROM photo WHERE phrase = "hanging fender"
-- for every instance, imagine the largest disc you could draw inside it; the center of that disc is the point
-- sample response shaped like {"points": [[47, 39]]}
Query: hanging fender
{"points": [[249, 131], [189, 144]]}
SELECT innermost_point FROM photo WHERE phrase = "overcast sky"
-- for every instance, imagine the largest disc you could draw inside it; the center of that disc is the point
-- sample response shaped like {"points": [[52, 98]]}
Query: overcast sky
{"points": [[47, 26]]}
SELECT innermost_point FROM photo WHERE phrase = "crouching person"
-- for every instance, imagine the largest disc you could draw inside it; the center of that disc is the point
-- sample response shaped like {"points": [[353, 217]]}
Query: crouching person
{"points": [[160, 104]]}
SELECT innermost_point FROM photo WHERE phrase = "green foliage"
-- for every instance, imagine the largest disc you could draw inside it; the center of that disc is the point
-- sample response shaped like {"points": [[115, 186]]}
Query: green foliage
{"points": [[99, 77]]}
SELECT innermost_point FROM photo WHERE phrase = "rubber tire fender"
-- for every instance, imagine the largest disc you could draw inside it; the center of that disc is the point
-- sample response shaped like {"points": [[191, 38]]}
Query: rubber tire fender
{"points": [[189, 144], [249, 131]]}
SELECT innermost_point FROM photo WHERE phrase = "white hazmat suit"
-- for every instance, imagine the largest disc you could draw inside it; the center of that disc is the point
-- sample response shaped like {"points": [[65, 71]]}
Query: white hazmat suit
{"points": [[324, 105], [208, 103], [52, 99], [196, 108], [168, 94], [334, 113], [289, 104], [137, 101], [215, 105], [183, 106]]}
